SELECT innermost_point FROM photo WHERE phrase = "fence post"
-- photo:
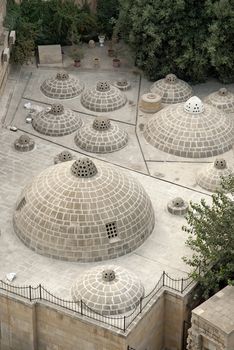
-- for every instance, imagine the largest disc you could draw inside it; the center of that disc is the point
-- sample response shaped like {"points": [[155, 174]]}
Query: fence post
{"points": [[163, 278], [40, 291], [81, 307], [124, 324], [182, 285], [30, 293]]}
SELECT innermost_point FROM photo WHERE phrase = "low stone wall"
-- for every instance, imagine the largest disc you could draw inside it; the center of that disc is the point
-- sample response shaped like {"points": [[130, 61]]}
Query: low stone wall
{"points": [[42, 326]]}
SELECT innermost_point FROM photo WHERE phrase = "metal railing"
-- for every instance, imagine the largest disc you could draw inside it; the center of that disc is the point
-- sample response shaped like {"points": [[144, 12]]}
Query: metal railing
{"points": [[40, 293]]}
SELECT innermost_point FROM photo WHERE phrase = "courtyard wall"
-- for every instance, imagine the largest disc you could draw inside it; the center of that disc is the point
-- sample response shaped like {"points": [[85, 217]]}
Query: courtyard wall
{"points": [[29, 325]]}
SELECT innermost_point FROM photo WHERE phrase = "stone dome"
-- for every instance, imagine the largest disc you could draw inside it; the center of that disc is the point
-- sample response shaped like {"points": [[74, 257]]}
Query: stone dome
{"points": [[171, 89], [210, 177], [57, 121], [122, 84], [62, 86], [190, 130], [177, 206], [102, 136], [81, 211], [63, 156], [222, 99], [24, 143], [108, 290], [103, 98]]}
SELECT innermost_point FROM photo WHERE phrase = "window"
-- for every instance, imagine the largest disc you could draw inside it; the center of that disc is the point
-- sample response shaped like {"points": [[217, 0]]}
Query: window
{"points": [[111, 230]]}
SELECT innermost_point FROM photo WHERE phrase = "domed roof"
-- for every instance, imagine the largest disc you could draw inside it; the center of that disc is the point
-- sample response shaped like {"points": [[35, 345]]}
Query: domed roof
{"points": [[103, 98], [57, 121], [122, 84], [210, 177], [222, 99], [171, 89], [62, 86], [63, 156], [24, 143], [81, 211], [177, 206], [101, 136], [190, 130], [108, 290]]}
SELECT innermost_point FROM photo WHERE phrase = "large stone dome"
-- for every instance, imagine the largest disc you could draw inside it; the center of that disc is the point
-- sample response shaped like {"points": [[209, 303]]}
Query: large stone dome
{"points": [[108, 290], [171, 89], [103, 98], [191, 129], [222, 99], [56, 121], [102, 136], [62, 86], [81, 211]]}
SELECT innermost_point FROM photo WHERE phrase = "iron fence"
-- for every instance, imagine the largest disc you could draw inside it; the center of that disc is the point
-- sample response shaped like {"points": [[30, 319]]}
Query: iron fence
{"points": [[40, 293]]}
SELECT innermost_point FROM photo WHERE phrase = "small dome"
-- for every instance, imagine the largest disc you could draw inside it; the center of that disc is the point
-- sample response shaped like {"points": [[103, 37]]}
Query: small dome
{"points": [[58, 121], [101, 123], [24, 143], [210, 177], [108, 290], [122, 84], [62, 86], [222, 99], [171, 89], [84, 167], [103, 98], [101, 137], [190, 130], [64, 156], [81, 211], [177, 206]]}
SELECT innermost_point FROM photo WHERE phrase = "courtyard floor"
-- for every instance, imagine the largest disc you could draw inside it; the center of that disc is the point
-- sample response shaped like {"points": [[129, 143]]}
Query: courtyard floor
{"points": [[163, 176]]}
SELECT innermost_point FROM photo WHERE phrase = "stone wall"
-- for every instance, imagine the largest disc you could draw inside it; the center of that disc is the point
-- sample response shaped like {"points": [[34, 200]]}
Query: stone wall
{"points": [[213, 323], [40, 326]]}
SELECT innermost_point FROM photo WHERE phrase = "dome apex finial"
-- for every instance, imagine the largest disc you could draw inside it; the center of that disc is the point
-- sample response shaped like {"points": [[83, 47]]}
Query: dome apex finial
{"points": [[194, 105], [84, 167]]}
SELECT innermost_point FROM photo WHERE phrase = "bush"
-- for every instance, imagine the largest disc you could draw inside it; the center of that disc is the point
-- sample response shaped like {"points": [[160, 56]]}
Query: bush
{"points": [[188, 39], [48, 22], [107, 14]]}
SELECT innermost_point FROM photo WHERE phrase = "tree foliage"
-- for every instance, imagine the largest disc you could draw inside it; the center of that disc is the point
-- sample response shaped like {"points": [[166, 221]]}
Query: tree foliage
{"points": [[211, 238], [107, 14], [48, 22], [180, 36]]}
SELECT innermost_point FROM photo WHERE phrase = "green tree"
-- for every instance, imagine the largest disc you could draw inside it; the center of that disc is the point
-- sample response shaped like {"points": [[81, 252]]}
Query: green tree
{"points": [[220, 42], [190, 38], [166, 37], [211, 239], [107, 14]]}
